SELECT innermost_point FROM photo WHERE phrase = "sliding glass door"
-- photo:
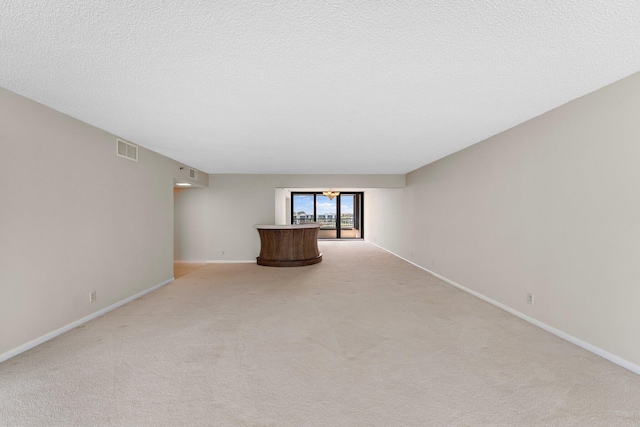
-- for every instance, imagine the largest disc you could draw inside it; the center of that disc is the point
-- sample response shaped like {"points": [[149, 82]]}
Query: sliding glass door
{"points": [[327, 215], [340, 216], [350, 216]]}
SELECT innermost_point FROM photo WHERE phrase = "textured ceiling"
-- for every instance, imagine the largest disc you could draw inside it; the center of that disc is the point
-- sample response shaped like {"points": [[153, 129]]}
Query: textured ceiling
{"points": [[313, 87]]}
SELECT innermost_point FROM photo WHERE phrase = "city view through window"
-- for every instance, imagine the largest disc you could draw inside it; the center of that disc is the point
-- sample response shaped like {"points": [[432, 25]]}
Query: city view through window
{"points": [[325, 210]]}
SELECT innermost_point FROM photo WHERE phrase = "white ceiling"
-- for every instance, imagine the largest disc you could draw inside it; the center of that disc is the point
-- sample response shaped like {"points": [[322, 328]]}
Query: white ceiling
{"points": [[342, 86]]}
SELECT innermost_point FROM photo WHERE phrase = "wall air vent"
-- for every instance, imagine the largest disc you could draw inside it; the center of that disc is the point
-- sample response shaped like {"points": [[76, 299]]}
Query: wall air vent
{"points": [[193, 173], [127, 150]]}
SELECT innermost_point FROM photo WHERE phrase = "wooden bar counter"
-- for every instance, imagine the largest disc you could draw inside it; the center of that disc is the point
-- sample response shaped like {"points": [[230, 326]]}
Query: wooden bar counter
{"points": [[289, 245]]}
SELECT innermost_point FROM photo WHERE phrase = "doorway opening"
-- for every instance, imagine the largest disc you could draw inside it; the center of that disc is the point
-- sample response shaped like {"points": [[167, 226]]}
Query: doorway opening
{"points": [[342, 217]]}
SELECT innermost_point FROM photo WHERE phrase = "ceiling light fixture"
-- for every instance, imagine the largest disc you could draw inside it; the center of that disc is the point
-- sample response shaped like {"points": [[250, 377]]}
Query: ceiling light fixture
{"points": [[331, 194], [183, 184]]}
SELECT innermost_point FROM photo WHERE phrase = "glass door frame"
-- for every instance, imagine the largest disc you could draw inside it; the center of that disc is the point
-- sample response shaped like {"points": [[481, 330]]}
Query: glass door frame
{"points": [[358, 210]]}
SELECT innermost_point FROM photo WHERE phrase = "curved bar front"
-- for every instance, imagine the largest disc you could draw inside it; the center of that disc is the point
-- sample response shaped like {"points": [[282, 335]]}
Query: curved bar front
{"points": [[289, 245]]}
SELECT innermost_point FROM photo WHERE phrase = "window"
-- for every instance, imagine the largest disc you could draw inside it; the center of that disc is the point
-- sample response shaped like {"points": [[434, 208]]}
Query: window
{"points": [[340, 217]]}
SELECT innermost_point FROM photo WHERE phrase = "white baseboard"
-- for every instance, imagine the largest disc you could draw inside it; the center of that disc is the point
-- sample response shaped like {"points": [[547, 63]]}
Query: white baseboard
{"points": [[565, 336], [230, 261], [215, 261], [187, 261], [21, 349]]}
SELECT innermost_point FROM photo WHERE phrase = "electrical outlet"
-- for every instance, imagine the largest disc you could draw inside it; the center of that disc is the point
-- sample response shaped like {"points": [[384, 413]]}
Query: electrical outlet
{"points": [[92, 296], [530, 299]]}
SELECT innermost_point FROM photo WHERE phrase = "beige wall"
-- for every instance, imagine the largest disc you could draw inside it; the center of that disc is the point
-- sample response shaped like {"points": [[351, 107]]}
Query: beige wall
{"points": [[75, 218], [221, 218], [550, 207]]}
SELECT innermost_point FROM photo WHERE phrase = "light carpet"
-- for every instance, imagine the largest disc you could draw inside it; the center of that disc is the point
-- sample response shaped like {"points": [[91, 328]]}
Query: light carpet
{"points": [[361, 339]]}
